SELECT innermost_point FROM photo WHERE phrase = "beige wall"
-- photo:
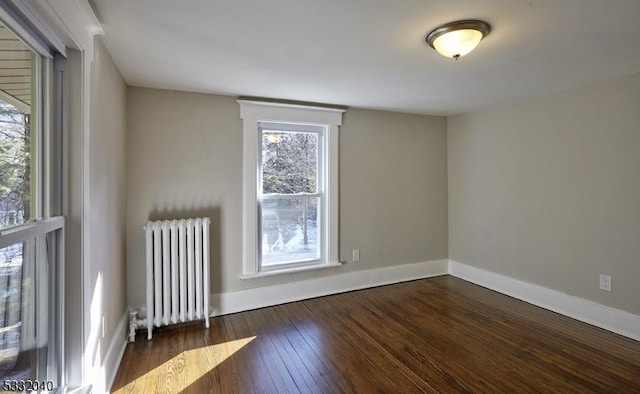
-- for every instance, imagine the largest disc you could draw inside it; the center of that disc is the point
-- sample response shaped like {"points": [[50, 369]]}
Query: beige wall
{"points": [[393, 188], [107, 204], [548, 191], [184, 158]]}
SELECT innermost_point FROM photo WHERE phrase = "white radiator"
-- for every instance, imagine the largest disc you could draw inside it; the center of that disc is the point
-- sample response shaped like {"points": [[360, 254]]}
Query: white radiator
{"points": [[177, 272]]}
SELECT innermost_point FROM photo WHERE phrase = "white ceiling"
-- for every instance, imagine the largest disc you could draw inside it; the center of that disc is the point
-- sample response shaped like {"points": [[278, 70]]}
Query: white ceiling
{"points": [[370, 53]]}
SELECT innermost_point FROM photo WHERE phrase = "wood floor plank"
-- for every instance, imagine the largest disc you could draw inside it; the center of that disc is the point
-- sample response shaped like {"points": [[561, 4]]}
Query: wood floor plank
{"points": [[266, 361], [314, 363], [249, 375], [175, 363], [132, 368], [289, 366], [381, 363], [433, 335], [311, 337], [197, 377], [360, 368]]}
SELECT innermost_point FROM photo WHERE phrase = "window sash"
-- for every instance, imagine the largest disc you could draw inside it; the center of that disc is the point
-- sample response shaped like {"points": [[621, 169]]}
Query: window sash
{"points": [[321, 132], [299, 128], [45, 227], [319, 236], [291, 127], [29, 230], [42, 309]]}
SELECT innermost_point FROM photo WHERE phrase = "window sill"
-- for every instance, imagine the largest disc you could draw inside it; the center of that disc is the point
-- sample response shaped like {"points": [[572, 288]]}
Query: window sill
{"points": [[290, 270]]}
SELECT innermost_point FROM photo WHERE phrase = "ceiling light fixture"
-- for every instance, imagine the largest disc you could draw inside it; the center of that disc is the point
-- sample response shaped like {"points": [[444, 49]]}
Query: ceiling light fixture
{"points": [[458, 38]]}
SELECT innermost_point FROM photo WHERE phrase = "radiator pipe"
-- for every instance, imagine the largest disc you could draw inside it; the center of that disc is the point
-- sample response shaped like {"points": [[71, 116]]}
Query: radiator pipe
{"points": [[134, 324]]}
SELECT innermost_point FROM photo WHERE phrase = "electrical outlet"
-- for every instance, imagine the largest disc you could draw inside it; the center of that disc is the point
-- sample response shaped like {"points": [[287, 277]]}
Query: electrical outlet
{"points": [[605, 282], [356, 255]]}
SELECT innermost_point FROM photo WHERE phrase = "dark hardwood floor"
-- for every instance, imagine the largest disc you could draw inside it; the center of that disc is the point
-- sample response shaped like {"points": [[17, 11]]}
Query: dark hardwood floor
{"points": [[433, 335]]}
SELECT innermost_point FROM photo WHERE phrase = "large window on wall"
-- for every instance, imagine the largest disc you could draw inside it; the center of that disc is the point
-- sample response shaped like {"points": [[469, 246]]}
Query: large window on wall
{"points": [[290, 155], [31, 225]]}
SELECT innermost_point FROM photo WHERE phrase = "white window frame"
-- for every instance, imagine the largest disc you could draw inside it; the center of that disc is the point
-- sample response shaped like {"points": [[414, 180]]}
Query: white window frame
{"points": [[320, 131], [50, 194], [254, 112]]}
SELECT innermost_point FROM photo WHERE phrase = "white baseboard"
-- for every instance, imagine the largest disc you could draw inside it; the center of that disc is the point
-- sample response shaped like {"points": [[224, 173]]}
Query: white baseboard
{"points": [[260, 297], [115, 351], [611, 319]]}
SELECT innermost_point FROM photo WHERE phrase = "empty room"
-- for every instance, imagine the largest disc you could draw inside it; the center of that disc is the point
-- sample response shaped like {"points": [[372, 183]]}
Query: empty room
{"points": [[319, 196]]}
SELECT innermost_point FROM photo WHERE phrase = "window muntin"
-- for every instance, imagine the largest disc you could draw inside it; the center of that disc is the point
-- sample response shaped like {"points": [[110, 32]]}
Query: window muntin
{"points": [[291, 195]]}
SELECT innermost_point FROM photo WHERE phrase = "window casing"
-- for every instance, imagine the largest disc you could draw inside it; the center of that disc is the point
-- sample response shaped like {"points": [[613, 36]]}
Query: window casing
{"points": [[290, 205]]}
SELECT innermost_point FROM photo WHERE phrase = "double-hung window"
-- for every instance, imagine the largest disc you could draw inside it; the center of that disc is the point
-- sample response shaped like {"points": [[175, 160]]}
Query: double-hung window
{"points": [[290, 187], [31, 208], [291, 196]]}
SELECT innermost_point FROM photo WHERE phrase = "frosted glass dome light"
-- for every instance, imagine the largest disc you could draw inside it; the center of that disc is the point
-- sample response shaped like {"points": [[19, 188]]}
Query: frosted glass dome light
{"points": [[458, 38]]}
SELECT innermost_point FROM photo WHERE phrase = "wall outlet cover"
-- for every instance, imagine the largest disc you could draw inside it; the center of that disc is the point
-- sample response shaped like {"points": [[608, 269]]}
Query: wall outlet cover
{"points": [[605, 282]]}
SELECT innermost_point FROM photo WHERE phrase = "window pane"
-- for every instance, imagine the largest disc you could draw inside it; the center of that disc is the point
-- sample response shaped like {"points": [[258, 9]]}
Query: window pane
{"points": [[17, 176], [290, 230], [10, 314], [289, 162], [23, 328]]}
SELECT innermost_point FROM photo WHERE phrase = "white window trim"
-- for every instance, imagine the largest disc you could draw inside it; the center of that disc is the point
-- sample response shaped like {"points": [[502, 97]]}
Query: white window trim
{"points": [[252, 112]]}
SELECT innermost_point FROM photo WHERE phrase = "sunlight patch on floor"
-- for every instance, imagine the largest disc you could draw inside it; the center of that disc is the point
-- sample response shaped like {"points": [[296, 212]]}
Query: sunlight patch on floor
{"points": [[188, 366]]}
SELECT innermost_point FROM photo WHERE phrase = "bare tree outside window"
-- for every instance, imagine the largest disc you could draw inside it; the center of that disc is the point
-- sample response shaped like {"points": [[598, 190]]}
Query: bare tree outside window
{"points": [[290, 202], [15, 203], [15, 166]]}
